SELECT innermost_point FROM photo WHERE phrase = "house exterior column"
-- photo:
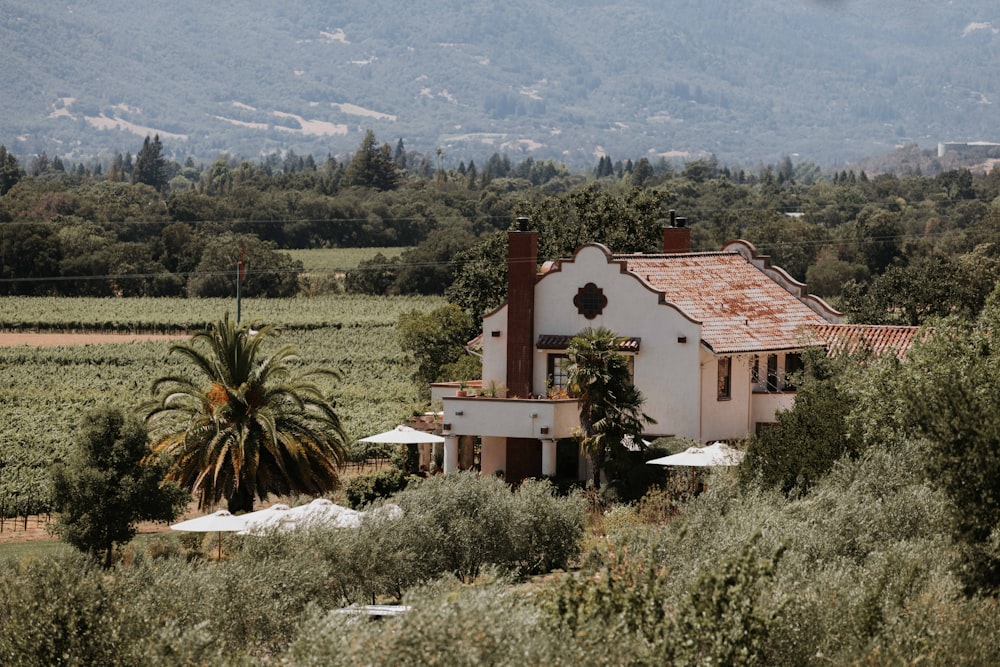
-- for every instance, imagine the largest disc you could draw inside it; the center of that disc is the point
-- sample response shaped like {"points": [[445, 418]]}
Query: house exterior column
{"points": [[493, 455], [450, 454], [548, 458]]}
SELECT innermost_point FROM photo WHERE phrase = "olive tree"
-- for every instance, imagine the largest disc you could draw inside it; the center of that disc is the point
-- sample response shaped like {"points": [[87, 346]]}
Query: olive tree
{"points": [[109, 483]]}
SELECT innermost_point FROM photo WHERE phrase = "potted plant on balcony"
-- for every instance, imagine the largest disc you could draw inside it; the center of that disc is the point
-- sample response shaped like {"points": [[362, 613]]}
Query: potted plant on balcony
{"points": [[494, 390], [461, 389], [557, 392]]}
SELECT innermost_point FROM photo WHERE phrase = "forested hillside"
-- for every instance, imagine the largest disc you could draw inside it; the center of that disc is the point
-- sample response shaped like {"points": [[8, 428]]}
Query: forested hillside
{"points": [[746, 81]]}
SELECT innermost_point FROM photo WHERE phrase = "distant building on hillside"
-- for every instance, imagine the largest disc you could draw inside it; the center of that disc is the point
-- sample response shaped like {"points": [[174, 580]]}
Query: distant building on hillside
{"points": [[984, 149]]}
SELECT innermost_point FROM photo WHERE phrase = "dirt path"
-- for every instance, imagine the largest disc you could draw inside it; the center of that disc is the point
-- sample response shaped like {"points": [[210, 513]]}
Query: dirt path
{"points": [[37, 530], [54, 339]]}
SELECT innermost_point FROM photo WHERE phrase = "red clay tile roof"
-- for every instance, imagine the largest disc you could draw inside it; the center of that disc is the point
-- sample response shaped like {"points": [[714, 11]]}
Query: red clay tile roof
{"points": [[561, 342], [740, 308], [877, 339]]}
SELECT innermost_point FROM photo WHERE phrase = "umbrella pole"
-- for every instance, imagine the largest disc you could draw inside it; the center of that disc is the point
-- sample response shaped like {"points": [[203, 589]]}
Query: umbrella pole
{"points": [[220, 545]]}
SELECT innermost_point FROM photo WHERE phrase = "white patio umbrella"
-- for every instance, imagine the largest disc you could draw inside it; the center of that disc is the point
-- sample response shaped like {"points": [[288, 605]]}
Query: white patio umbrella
{"points": [[276, 516], [403, 435], [218, 522], [324, 512], [716, 454]]}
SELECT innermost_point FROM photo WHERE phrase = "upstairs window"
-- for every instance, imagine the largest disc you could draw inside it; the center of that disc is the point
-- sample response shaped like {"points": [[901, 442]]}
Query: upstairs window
{"points": [[793, 366], [773, 373], [724, 392], [558, 377]]}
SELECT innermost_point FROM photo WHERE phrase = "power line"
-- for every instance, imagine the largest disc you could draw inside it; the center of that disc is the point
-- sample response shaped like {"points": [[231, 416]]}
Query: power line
{"points": [[336, 271]]}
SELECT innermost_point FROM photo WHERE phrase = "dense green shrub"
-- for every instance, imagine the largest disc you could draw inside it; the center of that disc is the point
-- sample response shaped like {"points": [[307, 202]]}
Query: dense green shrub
{"points": [[867, 541], [62, 611], [450, 524], [807, 439], [547, 527], [367, 489], [865, 576], [462, 522], [448, 625]]}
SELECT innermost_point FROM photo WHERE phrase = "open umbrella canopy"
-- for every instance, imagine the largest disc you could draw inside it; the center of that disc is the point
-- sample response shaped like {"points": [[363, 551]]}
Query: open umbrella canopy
{"points": [[218, 522], [275, 516], [403, 435], [716, 454], [325, 513]]}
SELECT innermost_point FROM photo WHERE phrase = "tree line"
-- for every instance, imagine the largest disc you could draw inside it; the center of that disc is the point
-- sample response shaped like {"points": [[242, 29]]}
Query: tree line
{"points": [[884, 248]]}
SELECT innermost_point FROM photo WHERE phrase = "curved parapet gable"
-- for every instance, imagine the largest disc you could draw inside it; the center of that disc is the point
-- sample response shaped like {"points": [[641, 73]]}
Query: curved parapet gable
{"points": [[797, 289], [621, 261]]}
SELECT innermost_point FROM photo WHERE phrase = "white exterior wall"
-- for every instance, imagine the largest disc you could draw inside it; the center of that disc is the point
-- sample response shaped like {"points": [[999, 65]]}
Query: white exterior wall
{"points": [[664, 367], [764, 407], [723, 419], [495, 348], [492, 455], [679, 380]]}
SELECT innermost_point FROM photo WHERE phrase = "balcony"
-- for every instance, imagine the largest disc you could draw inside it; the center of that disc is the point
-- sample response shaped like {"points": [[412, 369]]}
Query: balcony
{"points": [[539, 418]]}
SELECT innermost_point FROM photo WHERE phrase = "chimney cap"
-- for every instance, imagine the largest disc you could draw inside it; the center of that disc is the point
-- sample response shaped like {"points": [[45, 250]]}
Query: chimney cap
{"points": [[523, 223]]}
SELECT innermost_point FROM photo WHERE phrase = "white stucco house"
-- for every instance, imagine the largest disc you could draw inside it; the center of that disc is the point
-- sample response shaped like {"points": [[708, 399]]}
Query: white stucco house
{"points": [[712, 338]]}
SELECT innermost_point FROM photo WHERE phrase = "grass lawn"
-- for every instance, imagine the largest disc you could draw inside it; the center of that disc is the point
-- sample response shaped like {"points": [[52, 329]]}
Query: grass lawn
{"points": [[338, 260], [15, 551]]}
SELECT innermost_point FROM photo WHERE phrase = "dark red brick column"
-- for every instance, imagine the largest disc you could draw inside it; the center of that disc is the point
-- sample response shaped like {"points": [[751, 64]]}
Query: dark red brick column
{"points": [[522, 260]]}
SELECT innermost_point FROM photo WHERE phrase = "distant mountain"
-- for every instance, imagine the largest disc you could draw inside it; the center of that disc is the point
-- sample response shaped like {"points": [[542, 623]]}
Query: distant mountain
{"points": [[748, 81]]}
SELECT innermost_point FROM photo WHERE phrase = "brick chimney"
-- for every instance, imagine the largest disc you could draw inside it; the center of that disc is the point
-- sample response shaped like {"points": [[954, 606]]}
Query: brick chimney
{"points": [[676, 236], [522, 260]]}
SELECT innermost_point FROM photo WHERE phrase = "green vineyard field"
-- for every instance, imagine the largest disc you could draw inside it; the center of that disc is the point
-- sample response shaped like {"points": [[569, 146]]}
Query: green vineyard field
{"points": [[337, 260], [48, 389]]}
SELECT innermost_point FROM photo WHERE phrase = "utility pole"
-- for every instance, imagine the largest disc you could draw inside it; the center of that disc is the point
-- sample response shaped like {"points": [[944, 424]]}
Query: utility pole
{"points": [[239, 280]]}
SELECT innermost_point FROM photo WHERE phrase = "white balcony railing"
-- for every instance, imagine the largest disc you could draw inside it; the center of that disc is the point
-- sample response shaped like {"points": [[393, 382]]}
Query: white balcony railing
{"points": [[541, 418]]}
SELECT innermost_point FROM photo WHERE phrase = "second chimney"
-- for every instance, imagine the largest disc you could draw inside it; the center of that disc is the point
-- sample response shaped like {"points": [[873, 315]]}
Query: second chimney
{"points": [[676, 236]]}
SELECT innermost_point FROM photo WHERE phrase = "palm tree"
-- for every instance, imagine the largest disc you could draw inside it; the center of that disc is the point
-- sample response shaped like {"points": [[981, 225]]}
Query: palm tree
{"points": [[610, 405], [249, 425]]}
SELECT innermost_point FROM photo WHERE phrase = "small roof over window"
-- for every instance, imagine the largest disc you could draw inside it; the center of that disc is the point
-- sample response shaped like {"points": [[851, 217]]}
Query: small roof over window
{"points": [[561, 342]]}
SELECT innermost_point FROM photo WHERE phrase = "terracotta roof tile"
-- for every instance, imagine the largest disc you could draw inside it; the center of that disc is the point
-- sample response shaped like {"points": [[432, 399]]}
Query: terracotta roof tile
{"points": [[876, 339], [740, 308], [561, 342]]}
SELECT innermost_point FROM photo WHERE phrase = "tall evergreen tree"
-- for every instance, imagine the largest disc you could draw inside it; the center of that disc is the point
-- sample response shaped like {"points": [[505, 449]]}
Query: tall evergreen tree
{"points": [[10, 171], [372, 166], [41, 164], [150, 165], [400, 156]]}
